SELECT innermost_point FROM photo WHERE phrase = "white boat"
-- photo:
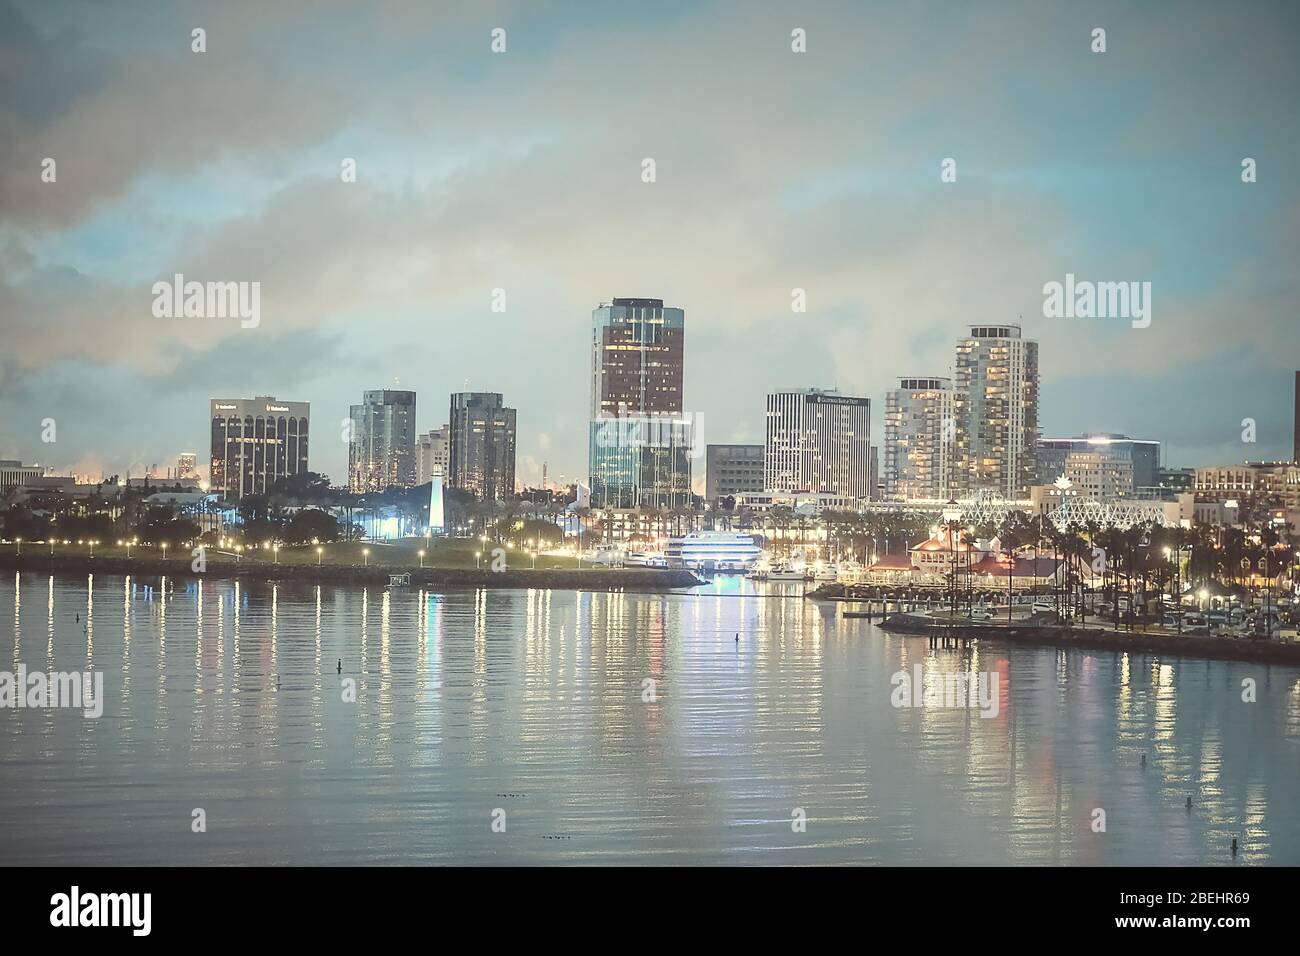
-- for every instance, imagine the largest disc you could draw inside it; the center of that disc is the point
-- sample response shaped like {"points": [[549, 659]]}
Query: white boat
{"points": [[786, 572], [850, 573], [723, 551], [826, 572]]}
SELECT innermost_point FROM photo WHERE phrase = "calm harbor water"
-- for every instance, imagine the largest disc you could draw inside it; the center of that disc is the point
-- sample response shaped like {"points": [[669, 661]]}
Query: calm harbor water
{"points": [[531, 707]]}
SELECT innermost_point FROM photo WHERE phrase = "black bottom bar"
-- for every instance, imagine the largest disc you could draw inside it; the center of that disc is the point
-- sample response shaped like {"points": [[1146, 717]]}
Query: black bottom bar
{"points": [[295, 905]]}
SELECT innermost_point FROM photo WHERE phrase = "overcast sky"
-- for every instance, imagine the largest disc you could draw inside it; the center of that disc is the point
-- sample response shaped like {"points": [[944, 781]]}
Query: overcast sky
{"points": [[523, 171]]}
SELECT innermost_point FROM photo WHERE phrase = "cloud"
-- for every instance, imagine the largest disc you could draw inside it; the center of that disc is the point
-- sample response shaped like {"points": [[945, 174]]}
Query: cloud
{"points": [[522, 171]]}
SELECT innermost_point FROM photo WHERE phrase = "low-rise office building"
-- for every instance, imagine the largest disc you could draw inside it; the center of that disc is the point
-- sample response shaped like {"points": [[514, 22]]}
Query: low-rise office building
{"points": [[732, 470]]}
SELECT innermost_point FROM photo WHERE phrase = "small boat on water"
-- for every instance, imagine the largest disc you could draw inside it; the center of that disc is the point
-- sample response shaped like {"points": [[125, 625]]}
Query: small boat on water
{"points": [[786, 572], [850, 572]]}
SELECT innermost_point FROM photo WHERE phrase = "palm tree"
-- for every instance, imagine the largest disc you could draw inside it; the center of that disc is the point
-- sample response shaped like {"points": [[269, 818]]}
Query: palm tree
{"points": [[1015, 532], [1135, 538], [779, 516], [1234, 550], [953, 529], [1078, 550], [968, 539], [583, 514], [833, 522], [745, 517]]}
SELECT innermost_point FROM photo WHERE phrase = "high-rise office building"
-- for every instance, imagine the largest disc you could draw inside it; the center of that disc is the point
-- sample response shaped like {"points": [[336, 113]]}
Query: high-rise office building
{"points": [[996, 408], [186, 465], [481, 445], [920, 433], [640, 440], [255, 443], [432, 454], [381, 453], [637, 348], [732, 470], [1107, 466], [819, 441]]}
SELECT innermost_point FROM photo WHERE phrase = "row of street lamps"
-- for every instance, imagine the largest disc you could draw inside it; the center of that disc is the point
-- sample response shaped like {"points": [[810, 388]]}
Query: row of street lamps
{"points": [[274, 547]]}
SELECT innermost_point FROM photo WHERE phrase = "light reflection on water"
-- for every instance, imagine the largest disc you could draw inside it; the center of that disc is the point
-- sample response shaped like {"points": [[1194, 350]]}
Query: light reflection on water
{"points": [[534, 702]]}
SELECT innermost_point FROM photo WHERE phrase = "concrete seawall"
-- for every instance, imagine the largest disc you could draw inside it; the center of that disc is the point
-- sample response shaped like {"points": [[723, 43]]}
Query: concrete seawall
{"points": [[1201, 646], [593, 579]]}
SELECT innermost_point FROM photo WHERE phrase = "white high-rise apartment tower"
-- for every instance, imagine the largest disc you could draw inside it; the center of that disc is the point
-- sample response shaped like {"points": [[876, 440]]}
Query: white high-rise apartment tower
{"points": [[996, 405], [920, 434]]}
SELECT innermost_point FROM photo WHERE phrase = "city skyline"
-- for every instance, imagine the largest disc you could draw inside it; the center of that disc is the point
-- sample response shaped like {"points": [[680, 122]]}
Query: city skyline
{"points": [[350, 428], [394, 276], [650, 436]]}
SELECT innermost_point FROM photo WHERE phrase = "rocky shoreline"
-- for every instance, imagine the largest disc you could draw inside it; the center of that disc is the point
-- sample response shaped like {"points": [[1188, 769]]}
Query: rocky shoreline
{"points": [[590, 579], [1206, 647]]}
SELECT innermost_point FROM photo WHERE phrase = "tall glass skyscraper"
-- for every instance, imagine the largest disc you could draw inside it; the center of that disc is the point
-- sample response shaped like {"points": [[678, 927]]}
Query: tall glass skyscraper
{"points": [[381, 453], [641, 441], [481, 445]]}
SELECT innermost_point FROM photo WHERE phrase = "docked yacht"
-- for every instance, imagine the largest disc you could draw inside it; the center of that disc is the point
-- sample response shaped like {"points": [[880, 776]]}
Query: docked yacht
{"points": [[782, 571], [825, 573], [850, 572], [724, 552]]}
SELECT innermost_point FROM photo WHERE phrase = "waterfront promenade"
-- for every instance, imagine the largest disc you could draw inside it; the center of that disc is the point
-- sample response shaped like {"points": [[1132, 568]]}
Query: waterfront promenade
{"points": [[1204, 646], [369, 573]]}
